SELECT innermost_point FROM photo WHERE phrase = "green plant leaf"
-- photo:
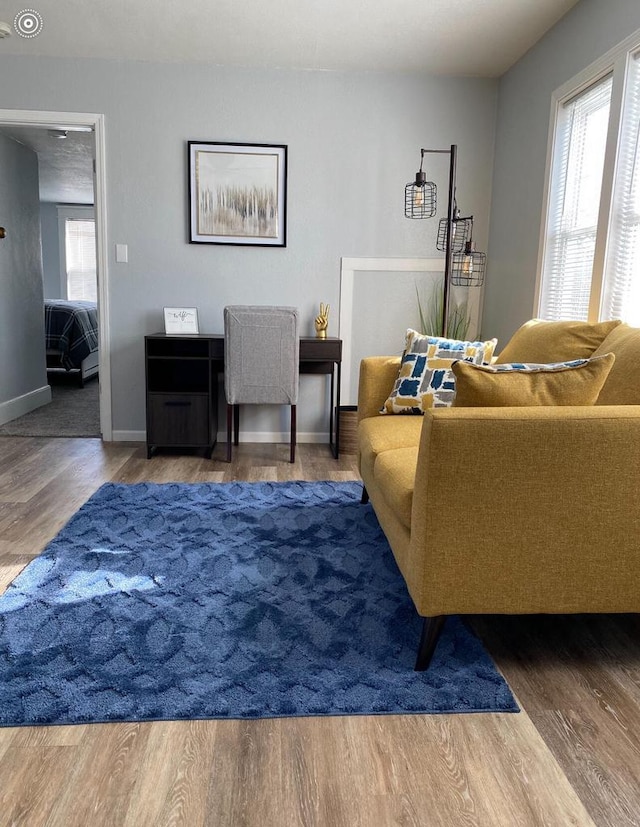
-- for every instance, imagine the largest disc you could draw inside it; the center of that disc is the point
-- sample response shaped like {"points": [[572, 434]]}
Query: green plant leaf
{"points": [[430, 313]]}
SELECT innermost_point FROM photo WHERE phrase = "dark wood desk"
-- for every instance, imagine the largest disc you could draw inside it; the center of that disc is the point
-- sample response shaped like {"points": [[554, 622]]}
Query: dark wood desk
{"points": [[182, 387]]}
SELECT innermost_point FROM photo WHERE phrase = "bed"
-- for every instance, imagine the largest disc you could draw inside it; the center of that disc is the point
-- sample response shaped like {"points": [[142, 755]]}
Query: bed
{"points": [[71, 336]]}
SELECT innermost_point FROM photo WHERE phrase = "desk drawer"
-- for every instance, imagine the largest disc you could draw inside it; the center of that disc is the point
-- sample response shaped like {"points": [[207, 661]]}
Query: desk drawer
{"points": [[178, 419], [321, 350]]}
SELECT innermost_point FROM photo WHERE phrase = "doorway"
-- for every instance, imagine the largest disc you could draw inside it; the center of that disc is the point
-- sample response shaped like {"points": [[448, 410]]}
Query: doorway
{"points": [[69, 121]]}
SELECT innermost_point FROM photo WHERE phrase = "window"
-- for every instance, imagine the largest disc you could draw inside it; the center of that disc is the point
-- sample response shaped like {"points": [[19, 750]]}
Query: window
{"points": [[621, 295], [590, 262], [78, 253], [581, 136]]}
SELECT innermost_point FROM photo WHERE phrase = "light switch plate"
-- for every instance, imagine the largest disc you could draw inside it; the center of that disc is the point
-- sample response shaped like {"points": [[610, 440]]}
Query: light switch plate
{"points": [[122, 253]]}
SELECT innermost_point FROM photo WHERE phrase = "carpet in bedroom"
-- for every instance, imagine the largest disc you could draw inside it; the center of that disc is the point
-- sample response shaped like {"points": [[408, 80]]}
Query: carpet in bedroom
{"points": [[72, 412]]}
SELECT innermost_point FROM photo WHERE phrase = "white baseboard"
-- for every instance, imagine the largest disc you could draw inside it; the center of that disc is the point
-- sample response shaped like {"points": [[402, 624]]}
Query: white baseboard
{"points": [[266, 436], [128, 436], [20, 405], [246, 436]]}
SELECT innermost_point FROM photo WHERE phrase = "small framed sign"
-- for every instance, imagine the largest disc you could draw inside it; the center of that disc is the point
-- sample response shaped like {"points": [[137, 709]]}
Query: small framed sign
{"points": [[181, 320]]}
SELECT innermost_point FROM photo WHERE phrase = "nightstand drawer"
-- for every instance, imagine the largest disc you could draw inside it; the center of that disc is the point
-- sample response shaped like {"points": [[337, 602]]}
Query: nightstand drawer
{"points": [[178, 419]]}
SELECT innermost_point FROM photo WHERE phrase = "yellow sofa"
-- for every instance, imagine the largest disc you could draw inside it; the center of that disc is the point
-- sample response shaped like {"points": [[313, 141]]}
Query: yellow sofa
{"points": [[511, 510]]}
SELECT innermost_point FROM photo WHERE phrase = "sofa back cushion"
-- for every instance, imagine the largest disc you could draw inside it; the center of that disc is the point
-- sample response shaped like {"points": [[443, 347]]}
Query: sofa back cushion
{"points": [[545, 342], [519, 385], [622, 386]]}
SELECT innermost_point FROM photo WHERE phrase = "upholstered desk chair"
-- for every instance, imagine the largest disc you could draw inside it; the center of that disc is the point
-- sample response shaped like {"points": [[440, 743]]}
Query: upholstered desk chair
{"points": [[261, 362]]}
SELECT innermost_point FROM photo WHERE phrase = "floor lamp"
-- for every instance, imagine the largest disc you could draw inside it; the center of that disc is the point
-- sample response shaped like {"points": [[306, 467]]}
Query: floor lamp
{"points": [[462, 264]]}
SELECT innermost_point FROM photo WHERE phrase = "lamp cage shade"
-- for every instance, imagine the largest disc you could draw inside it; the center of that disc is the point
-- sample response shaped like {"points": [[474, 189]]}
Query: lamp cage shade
{"points": [[460, 234], [468, 267], [420, 199]]}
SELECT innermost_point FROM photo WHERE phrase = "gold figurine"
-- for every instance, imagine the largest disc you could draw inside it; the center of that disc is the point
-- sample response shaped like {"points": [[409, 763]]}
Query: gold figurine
{"points": [[322, 321]]}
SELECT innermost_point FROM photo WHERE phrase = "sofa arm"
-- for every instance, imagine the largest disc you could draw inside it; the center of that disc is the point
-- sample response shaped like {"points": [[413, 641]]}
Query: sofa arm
{"points": [[526, 510], [377, 377]]}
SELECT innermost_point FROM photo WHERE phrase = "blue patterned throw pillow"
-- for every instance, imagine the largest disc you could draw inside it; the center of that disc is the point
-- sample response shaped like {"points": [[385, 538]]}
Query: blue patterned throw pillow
{"points": [[425, 379]]}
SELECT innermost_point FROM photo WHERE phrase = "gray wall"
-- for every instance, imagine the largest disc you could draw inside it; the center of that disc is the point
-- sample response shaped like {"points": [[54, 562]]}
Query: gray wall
{"points": [[50, 250], [22, 352], [354, 141], [586, 33]]}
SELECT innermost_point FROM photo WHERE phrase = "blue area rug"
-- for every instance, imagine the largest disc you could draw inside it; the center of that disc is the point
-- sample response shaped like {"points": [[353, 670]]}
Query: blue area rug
{"points": [[240, 600]]}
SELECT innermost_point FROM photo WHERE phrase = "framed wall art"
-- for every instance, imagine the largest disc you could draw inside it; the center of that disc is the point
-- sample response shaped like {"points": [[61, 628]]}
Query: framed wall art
{"points": [[237, 194]]}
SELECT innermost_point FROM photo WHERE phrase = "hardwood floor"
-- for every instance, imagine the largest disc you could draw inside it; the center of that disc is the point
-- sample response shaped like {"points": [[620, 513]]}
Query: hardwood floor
{"points": [[571, 757]]}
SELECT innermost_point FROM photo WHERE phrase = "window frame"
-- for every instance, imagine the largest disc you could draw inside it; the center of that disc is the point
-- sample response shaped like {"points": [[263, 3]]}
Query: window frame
{"points": [[77, 213], [615, 63]]}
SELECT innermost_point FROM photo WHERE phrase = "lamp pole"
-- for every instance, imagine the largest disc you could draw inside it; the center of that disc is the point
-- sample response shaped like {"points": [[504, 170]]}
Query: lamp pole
{"points": [[448, 252], [463, 265], [453, 156]]}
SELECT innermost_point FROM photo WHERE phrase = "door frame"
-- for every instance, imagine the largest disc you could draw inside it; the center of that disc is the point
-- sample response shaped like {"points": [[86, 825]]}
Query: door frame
{"points": [[69, 120]]}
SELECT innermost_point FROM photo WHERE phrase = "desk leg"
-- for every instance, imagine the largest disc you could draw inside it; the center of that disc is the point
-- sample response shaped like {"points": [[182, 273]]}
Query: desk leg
{"points": [[334, 413], [337, 450]]}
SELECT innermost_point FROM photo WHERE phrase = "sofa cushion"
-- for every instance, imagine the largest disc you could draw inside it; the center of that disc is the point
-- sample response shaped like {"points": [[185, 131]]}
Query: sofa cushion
{"points": [[394, 473], [622, 386], [562, 383], [425, 379], [377, 434], [377, 375], [545, 342]]}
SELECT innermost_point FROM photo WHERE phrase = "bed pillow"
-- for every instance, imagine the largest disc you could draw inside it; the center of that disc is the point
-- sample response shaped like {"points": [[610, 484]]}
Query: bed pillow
{"points": [[564, 383], [425, 379], [546, 342]]}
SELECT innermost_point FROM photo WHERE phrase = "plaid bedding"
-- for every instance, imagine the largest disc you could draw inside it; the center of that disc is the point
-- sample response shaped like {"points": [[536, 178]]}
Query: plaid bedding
{"points": [[71, 328]]}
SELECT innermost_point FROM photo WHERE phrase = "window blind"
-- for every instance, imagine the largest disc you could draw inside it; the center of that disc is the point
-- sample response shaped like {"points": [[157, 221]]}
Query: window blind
{"points": [[621, 293], [574, 202], [80, 248]]}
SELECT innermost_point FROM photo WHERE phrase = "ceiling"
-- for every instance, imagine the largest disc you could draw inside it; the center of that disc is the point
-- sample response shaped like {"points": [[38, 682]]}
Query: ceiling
{"points": [[480, 38], [65, 166], [446, 37]]}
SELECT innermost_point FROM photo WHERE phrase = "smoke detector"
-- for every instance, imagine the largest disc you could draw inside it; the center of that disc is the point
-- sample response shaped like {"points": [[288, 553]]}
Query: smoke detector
{"points": [[5, 30]]}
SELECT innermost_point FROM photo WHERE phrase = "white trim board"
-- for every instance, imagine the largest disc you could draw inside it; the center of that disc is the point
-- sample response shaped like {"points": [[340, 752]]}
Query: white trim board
{"points": [[349, 267], [21, 405], [69, 120]]}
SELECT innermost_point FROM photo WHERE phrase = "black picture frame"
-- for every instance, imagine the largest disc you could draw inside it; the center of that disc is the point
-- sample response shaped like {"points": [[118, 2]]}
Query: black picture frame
{"points": [[237, 193]]}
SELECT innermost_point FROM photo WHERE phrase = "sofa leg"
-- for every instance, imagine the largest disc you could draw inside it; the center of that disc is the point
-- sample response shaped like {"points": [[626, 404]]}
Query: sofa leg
{"points": [[229, 423], [431, 629], [365, 496]]}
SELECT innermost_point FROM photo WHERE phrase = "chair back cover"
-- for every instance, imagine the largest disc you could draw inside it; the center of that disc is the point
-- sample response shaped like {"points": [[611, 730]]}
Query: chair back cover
{"points": [[261, 355]]}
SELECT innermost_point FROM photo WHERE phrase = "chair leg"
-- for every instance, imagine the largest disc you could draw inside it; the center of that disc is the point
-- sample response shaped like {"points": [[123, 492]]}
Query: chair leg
{"points": [[236, 424], [431, 629], [229, 418], [364, 499], [292, 455]]}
